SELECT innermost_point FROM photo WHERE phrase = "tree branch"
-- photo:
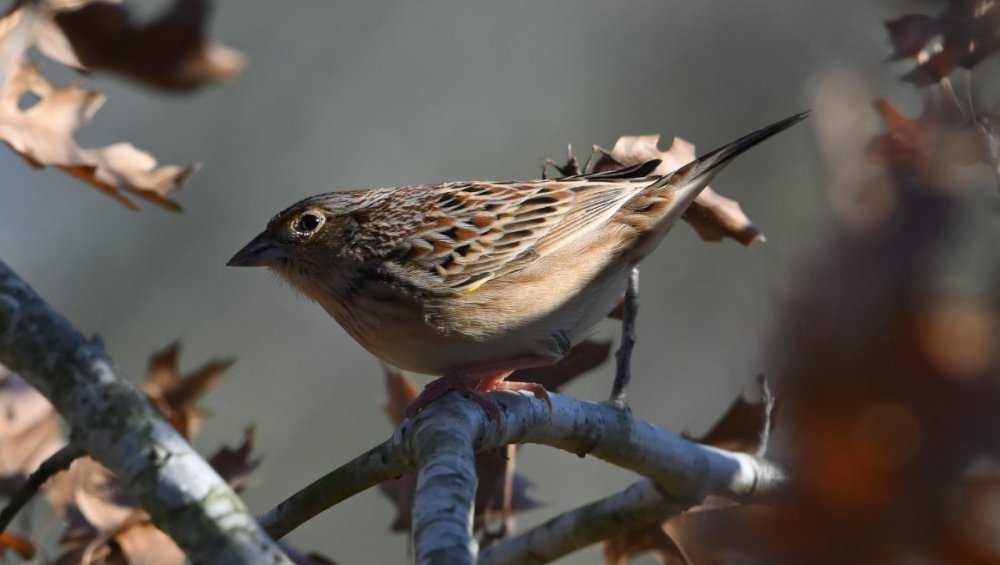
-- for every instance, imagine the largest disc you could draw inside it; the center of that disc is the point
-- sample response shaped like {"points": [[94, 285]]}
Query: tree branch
{"points": [[623, 357], [112, 421], [639, 504], [683, 471]]}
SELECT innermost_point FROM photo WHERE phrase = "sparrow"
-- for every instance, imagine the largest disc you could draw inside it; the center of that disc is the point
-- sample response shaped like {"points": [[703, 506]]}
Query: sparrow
{"points": [[474, 280]]}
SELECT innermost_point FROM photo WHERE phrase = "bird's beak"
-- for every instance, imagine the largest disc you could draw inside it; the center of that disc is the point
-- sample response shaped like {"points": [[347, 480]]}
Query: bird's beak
{"points": [[260, 252]]}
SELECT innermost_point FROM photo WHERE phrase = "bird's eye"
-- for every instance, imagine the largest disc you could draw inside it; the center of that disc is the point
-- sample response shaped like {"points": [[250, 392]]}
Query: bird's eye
{"points": [[308, 223]]}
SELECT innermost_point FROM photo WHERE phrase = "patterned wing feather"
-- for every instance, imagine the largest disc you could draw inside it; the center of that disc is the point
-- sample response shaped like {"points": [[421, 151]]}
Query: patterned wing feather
{"points": [[477, 231]]}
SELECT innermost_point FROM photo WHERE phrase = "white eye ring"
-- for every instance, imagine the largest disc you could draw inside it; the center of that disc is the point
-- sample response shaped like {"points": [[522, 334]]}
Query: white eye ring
{"points": [[308, 223]]}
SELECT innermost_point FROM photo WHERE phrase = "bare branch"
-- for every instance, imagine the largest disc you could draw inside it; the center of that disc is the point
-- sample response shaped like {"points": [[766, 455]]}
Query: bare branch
{"points": [[59, 461], [685, 472], [639, 504], [623, 357], [112, 421]]}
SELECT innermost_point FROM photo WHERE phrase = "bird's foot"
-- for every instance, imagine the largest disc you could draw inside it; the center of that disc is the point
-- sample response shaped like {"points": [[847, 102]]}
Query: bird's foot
{"points": [[467, 386], [537, 390], [475, 387]]}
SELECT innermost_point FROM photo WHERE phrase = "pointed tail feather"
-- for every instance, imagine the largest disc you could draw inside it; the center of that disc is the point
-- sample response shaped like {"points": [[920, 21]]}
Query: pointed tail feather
{"points": [[689, 180]]}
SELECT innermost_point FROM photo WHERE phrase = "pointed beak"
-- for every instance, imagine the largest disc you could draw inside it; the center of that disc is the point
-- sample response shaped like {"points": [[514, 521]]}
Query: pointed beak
{"points": [[260, 252]]}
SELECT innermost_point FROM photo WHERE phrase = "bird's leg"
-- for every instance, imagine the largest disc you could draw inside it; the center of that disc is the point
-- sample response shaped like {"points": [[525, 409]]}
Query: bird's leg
{"points": [[474, 382], [623, 357]]}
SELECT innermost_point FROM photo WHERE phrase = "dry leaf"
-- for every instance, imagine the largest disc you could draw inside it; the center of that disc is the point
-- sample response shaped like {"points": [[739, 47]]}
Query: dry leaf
{"points": [[170, 52], [583, 358], [105, 525], [931, 145], [175, 395], [745, 425], [712, 215], [969, 32], [17, 544], [623, 549], [43, 135], [236, 465], [717, 531], [30, 430]]}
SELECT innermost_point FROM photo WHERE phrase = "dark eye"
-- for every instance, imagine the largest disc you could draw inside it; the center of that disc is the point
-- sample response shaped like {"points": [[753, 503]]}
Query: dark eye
{"points": [[308, 223]]}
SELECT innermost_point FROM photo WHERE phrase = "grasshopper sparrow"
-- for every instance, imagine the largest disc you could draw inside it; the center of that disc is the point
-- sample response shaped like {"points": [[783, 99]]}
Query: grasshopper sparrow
{"points": [[474, 280]]}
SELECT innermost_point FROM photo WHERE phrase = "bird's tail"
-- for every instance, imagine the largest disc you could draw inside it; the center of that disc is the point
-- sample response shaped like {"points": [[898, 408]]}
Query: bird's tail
{"points": [[690, 179]]}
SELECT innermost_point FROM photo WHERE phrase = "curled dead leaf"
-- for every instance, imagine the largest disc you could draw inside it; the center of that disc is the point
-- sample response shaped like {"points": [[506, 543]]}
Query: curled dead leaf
{"points": [[969, 32], [30, 430], [43, 135], [712, 215], [171, 52], [236, 465], [931, 145], [175, 395], [745, 426], [17, 544]]}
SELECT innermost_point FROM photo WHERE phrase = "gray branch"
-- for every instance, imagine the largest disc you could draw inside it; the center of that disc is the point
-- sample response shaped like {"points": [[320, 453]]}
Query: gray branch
{"points": [[640, 504], [110, 419], [440, 442]]}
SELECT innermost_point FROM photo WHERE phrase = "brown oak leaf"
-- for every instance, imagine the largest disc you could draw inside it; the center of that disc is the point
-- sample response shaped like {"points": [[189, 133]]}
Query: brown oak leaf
{"points": [[43, 135], [969, 32], [584, 357], [717, 531], [38, 119], [175, 395], [104, 523], [17, 544], [30, 430], [930, 145], [170, 52], [235, 465], [712, 215], [745, 426]]}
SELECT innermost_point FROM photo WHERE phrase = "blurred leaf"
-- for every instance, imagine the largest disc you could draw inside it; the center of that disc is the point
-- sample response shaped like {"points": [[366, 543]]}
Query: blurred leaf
{"points": [[174, 395], [969, 32], [712, 215], [717, 531], [39, 120], [103, 520], [583, 358], [236, 465], [989, 130], [745, 425], [624, 548], [17, 544], [300, 558], [170, 52], [43, 135], [931, 145], [30, 430]]}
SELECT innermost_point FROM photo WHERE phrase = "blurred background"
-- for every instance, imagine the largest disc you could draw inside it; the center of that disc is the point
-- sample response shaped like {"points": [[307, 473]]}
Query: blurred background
{"points": [[341, 95]]}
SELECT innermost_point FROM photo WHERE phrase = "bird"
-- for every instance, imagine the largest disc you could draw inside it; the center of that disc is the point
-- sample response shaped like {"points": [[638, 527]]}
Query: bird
{"points": [[474, 280]]}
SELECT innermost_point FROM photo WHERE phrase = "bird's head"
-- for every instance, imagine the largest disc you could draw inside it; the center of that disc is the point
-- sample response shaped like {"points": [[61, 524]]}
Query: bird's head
{"points": [[308, 238]]}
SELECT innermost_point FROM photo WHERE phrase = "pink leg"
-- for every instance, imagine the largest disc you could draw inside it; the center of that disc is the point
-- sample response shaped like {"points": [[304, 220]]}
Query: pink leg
{"points": [[473, 382]]}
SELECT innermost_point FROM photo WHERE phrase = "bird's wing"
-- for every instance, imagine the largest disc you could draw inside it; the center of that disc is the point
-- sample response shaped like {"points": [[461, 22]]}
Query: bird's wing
{"points": [[472, 232]]}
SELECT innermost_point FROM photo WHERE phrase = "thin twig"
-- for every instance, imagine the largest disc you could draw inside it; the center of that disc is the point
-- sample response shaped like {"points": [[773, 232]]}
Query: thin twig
{"points": [[623, 357], [639, 504], [765, 431], [59, 461]]}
